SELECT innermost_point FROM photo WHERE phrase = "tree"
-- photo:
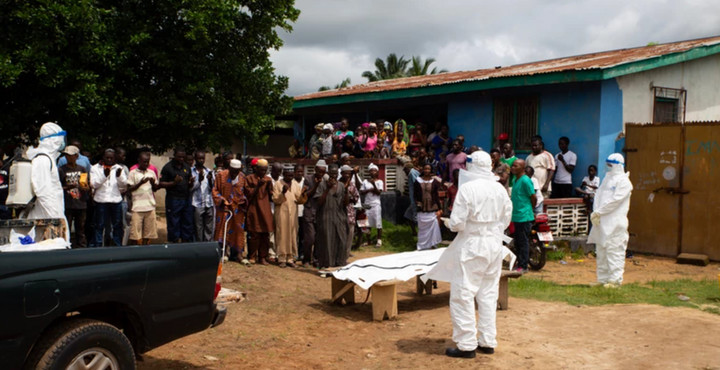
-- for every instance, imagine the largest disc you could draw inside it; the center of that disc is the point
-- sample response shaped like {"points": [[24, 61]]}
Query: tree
{"points": [[156, 73], [392, 67], [344, 83], [420, 68]]}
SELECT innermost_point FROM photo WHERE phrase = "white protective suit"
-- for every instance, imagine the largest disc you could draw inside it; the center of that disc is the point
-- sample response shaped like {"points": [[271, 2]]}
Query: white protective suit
{"points": [[610, 222], [50, 202], [473, 262]]}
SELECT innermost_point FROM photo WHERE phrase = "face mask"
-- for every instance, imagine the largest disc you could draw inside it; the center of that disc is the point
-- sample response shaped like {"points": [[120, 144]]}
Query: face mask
{"points": [[61, 133]]}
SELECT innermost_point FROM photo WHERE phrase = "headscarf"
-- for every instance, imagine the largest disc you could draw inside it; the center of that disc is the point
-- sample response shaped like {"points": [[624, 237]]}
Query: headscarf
{"points": [[345, 168], [262, 162], [387, 126], [319, 126], [328, 126], [373, 166], [403, 136]]}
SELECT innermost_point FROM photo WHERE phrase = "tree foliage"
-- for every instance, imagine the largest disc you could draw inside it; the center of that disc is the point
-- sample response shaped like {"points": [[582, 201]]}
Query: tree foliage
{"points": [[394, 67], [344, 83], [152, 72], [391, 67], [418, 67]]}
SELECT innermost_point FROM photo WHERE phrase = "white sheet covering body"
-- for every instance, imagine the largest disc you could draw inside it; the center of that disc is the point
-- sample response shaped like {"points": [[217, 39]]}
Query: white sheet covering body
{"points": [[473, 262], [399, 266]]}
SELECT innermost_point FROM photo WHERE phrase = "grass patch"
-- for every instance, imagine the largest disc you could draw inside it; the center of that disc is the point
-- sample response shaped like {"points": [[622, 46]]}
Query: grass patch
{"points": [[704, 294], [556, 255], [395, 238]]}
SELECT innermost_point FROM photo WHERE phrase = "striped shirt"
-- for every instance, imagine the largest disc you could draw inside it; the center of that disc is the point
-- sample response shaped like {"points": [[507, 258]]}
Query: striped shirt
{"points": [[143, 199]]}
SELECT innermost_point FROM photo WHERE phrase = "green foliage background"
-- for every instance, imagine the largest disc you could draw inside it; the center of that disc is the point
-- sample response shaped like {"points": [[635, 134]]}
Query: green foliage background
{"points": [[151, 72]]}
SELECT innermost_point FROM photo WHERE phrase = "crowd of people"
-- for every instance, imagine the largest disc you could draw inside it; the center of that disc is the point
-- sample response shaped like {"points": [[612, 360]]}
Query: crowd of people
{"points": [[286, 217], [277, 207]]}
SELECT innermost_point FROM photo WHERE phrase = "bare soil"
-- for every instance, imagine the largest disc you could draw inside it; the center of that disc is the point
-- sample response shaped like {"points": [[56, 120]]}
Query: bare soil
{"points": [[287, 322]]}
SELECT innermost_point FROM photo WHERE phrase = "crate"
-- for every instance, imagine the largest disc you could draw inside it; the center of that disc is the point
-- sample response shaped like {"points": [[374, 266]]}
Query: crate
{"points": [[567, 218]]}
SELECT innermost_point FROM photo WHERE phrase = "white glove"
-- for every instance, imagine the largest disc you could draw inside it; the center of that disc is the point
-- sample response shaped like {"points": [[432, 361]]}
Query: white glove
{"points": [[595, 218], [446, 221]]}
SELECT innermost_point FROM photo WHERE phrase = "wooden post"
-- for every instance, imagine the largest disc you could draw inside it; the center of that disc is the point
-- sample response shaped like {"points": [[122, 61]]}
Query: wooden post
{"points": [[343, 290], [423, 288], [384, 300], [503, 293]]}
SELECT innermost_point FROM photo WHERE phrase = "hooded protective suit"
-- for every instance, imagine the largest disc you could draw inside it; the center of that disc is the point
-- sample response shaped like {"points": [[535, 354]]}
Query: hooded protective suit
{"points": [[473, 262], [610, 223], [50, 202]]}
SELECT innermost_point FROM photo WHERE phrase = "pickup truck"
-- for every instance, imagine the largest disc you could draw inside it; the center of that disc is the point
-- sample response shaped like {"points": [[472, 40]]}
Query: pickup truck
{"points": [[99, 308]]}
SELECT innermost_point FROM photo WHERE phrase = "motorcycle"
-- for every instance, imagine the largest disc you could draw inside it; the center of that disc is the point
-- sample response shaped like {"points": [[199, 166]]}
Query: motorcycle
{"points": [[539, 242]]}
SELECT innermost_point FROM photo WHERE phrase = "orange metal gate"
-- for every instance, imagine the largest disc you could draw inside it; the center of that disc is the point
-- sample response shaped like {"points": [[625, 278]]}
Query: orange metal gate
{"points": [[675, 171]]}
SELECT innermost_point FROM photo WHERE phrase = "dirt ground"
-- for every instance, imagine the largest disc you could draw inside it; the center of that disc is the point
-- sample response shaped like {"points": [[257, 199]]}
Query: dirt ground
{"points": [[287, 322]]}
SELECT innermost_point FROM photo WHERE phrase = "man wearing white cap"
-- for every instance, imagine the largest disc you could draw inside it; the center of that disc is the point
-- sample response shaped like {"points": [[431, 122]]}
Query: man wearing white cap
{"points": [[312, 182], [372, 189], [230, 202], [610, 222], [473, 262]]}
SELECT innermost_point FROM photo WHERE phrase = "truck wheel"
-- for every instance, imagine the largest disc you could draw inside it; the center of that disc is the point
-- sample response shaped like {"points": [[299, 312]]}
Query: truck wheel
{"points": [[84, 344]]}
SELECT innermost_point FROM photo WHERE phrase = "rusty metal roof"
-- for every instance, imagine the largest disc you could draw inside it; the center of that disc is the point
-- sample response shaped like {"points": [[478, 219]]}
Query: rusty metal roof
{"points": [[585, 62]]}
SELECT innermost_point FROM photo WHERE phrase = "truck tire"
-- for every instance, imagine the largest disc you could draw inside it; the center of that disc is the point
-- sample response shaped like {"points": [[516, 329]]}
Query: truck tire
{"points": [[83, 343]]}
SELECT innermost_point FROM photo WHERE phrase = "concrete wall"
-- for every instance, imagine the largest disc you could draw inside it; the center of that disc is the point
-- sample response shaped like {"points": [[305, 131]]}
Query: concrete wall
{"points": [[700, 78]]}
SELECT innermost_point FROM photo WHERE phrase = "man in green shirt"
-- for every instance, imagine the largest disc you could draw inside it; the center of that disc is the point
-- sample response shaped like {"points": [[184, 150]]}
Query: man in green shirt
{"points": [[523, 201]]}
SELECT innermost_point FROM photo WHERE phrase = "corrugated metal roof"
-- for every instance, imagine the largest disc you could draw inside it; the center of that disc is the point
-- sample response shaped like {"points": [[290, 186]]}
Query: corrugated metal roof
{"points": [[593, 61]]}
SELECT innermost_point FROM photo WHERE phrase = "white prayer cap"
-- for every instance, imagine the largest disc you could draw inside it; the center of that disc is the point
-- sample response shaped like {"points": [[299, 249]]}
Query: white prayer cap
{"points": [[373, 166], [235, 163], [346, 154], [321, 163], [328, 126], [345, 168]]}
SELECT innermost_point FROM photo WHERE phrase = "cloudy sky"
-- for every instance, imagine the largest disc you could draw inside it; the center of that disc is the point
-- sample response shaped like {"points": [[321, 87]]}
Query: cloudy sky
{"points": [[336, 39]]}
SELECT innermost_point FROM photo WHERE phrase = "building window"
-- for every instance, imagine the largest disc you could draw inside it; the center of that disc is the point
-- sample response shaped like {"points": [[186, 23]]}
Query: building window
{"points": [[518, 117], [668, 105]]}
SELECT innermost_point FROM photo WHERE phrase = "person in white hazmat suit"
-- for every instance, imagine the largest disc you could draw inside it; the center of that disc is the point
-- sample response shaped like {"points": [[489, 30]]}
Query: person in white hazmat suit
{"points": [[472, 264], [50, 201], [610, 222]]}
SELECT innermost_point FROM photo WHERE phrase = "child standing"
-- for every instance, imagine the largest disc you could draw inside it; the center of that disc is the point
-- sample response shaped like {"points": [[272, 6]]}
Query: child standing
{"points": [[372, 189], [529, 171]]}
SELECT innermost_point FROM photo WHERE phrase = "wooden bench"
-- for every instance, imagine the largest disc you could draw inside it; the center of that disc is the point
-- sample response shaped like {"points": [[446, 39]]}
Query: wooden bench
{"points": [[384, 293]]}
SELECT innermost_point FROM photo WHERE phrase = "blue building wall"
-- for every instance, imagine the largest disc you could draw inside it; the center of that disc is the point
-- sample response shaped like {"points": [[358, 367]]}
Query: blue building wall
{"points": [[611, 121], [572, 110], [471, 117]]}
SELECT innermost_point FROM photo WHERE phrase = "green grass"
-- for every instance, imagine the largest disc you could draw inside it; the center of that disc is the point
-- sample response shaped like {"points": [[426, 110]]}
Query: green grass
{"points": [[704, 294], [395, 238]]}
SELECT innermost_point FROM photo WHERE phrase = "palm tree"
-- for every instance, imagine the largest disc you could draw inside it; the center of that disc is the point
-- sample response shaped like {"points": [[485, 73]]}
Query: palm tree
{"points": [[420, 68], [392, 67], [345, 83]]}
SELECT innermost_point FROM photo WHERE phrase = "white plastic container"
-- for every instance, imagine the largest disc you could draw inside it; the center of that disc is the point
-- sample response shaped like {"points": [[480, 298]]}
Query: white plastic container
{"points": [[20, 186]]}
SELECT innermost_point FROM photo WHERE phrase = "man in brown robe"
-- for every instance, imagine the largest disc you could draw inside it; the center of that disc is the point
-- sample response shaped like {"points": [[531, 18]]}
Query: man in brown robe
{"points": [[287, 194], [229, 199], [259, 221]]}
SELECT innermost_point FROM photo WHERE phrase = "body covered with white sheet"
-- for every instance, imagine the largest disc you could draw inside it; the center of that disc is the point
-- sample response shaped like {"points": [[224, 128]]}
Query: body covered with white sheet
{"points": [[473, 262]]}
